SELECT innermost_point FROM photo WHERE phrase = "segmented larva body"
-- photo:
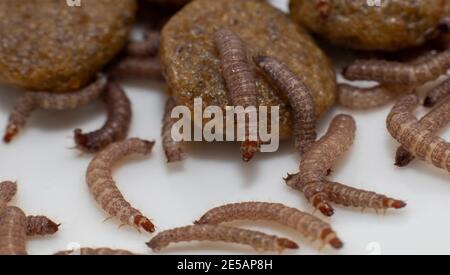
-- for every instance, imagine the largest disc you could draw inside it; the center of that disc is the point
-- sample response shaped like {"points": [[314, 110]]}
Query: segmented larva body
{"points": [[8, 190], [148, 47], [357, 98], [218, 233], [300, 99], [50, 101], [174, 150], [308, 225], [116, 126], [240, 81], [13, 232], [41, 225], [392, 72], [135, 67], [437, 94], [86, 251], [319, 160], [404, 127], [104, 189]]}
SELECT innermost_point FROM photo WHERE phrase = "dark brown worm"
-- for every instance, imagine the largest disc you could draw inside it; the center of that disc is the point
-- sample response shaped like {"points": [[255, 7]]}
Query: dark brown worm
{"points": [[218, 233], [437, 94], [50, 101], [435, 120], [8, 190], [85, 251], [300, 99], [13, 232], [319, 160], [104, 189], [357, 98], [116, 126], [392, 72], [174, 150], [41, 225], [239, 79], [148, 47], [308, 225], [405, 128], [134, 67]]}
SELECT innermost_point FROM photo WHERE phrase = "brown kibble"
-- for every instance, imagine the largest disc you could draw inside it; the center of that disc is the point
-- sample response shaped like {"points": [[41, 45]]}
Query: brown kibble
{"points": [[174, 150]]}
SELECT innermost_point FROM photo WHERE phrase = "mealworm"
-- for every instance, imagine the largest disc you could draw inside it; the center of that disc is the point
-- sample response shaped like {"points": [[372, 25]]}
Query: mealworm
{"points": [[41, 225], [116, 126], [104, 189], [306, 224], [147, 68], [148, 47], [300, 99], [8, 190], [13, 227], [319, 160], [393, 72], [364, 98], [239, 79], [404, 127], [31, 101], [85, 251], [435, 120], [218, 233], [174, 150], [437, 94]]}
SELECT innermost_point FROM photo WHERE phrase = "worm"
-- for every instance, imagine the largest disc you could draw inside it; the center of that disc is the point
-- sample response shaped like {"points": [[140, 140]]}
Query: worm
{"points": [[116, 126], [393, 72], [306, 224], [215, 233], [8, 190], [239, 79], [41, 225], [50, 101], [149, 46], [86, 251], [134, 67], [104, 189], [13, 232], [319, 160], [364, 98], [300, 99], [423, 144], [435, 120], [174, 150], [437, 94]]}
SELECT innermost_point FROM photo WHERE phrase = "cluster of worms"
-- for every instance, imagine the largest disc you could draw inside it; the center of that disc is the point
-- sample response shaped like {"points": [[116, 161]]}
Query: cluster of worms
{"points": [[174, 150], [316, 165]]}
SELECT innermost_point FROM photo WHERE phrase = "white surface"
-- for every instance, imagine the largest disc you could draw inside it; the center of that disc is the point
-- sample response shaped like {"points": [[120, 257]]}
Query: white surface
{"points": [[51, 182]]}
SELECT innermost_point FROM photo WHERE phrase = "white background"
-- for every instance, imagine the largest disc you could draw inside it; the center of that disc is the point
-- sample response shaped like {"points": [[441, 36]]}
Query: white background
{"points": [[51, 182]]}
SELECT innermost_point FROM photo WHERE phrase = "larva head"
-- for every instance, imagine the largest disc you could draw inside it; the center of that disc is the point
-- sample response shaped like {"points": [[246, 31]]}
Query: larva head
{"points": [[284, 243], [391, 203], [329, 236], [403, 157], [144, 223], [291, 180], [80, 138], [429, 102], [248, 149], [51, 227], [321, 203], [11, 132]]}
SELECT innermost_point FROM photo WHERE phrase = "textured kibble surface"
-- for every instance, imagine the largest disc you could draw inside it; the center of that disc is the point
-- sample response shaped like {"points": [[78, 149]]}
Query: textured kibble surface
{"points": [[47, 45], [191, 62], [395, 25]]}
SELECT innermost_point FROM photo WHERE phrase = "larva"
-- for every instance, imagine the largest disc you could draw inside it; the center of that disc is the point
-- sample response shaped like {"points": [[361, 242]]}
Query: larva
{"points": [[364, 98], [146, 68], [404, 127], [437, 94], [392, 72], [148, 47], [104, 189], [218, 233], [13, 232], [50, 101], [306, 224], [319, 160], [8, 190], [239, 79], [174, 150], [85, 251], [435, 120], [41, 225], [300, 99], [116, 126]]}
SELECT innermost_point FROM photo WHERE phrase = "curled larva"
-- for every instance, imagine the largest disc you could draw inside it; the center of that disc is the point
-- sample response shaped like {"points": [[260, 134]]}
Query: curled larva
{"points": [[300, 99], [50, 101], [405, 128], [116, 126], [240, 81], [41, 225], [146, 68], [174, 150], [365, 98], [8, 190], [393, 72], [13, 232], [147, 47], [437, 94], [218, 233], [308, 225], [86, 251], [104, 189], [319, 160]]}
